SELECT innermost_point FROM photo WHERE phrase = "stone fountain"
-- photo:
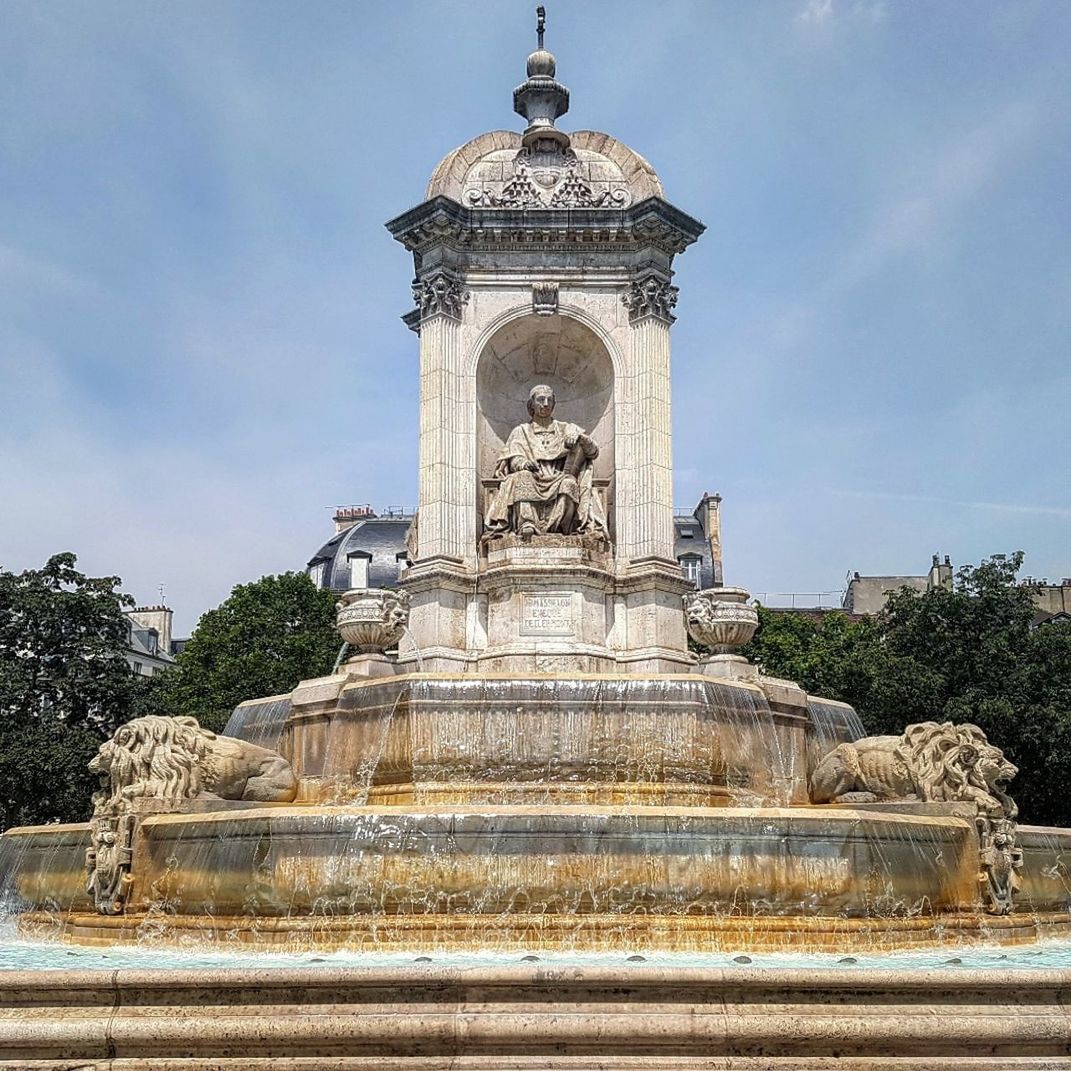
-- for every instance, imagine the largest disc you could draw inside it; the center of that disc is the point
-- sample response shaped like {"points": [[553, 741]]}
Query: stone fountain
{"points": [[522, 752]]}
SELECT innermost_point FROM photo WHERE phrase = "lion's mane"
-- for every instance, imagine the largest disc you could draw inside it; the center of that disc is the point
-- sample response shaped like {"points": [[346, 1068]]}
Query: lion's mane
{"points": [[956, 763], [932, 762], [152, 756]]}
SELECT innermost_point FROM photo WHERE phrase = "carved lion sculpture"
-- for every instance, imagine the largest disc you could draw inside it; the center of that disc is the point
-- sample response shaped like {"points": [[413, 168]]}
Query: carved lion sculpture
{"points": [[930, 762], [173, 759]]}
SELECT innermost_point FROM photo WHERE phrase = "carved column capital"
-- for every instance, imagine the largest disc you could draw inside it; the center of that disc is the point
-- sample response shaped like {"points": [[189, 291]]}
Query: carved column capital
{"points": [[650, 296], [439, 294]]}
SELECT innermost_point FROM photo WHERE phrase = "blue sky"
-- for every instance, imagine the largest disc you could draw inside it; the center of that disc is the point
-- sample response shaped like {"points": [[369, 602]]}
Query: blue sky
{"points": [[200, 344]]}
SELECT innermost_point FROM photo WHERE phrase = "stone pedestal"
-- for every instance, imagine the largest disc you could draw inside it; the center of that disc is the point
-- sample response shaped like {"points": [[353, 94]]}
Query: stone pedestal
{"points": [[548, 604], [728, 667], [364, 666]]}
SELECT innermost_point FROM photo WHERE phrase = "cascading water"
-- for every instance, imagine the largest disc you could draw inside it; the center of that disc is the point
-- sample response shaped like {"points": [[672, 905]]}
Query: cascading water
{"points": [[586, 812], [260, 721]]}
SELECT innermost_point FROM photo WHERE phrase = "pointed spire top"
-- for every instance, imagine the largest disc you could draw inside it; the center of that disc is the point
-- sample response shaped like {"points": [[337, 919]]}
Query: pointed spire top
{"points": [[541, 99]]}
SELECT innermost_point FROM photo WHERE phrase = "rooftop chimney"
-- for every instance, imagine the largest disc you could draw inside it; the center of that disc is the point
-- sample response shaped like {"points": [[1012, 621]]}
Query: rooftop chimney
{"points": [[708, 513], [157, 618], [348, 516]]}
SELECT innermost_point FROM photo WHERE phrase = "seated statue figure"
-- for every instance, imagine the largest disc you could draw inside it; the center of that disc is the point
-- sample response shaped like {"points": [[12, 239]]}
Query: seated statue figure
{"points": [[546, 477]]}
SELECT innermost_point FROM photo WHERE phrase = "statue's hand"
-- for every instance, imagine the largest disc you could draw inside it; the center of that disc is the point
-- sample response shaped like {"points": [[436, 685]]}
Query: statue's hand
{"points": [[570, 441], [532, 466]]}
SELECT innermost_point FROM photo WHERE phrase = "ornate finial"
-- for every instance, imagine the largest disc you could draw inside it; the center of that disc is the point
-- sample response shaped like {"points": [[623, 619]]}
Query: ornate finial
{"points": [[541, 99]]}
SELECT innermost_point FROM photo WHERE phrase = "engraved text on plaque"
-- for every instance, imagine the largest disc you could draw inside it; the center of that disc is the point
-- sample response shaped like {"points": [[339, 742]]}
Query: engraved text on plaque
{"points": [[547, 615]]}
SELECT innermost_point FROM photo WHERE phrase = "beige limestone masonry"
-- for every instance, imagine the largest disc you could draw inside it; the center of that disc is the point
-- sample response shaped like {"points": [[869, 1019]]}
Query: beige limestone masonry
{"points": [[533, 1017]]}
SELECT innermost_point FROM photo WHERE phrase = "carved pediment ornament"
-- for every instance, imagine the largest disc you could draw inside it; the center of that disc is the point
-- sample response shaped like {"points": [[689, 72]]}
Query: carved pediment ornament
{"points": [[650, 296], [439, 295], [547, 176]]}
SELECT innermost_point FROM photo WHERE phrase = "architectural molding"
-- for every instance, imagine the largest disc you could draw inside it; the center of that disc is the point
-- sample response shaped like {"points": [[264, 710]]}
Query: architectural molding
{"points": [[442, 221]]}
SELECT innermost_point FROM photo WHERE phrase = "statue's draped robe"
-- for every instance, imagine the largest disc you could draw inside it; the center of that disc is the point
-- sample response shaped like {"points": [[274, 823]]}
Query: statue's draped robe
{"points": [[561, 472]]}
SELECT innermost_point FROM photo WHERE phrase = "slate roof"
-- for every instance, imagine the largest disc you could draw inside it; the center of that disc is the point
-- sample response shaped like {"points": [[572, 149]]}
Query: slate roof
{"points": [[382, 539]]}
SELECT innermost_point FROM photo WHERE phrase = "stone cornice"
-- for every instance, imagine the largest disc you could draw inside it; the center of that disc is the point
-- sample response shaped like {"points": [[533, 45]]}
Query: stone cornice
{"points": [[442, 221]]}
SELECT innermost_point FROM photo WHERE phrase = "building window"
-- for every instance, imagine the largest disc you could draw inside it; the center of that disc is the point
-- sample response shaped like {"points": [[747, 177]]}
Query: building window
{"points": [[359, 563], [691, 566], [403, 563], [138, 668], [316, 574]]}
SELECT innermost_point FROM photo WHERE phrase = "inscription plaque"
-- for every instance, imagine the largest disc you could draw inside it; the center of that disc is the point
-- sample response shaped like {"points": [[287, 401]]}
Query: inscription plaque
{"points": [[548, 615]]}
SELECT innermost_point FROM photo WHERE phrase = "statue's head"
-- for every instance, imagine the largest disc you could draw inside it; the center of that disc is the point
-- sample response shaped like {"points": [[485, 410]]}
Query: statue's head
{"points": [[540, 401]]}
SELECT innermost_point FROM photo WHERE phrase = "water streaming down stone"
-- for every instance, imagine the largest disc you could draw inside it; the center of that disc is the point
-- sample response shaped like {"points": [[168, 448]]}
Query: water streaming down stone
{"points": [[518, 749], [830, 723], [260, 721], [534, 740], [535, 811]]}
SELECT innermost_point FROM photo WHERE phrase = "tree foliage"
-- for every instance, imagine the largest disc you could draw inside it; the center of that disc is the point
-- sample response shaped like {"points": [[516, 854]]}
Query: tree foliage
{"points": [[263, 639], [965, 654], [64, 686]]}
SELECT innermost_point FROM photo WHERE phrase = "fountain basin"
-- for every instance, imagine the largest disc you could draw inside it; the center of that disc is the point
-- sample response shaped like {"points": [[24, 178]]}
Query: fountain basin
{"points": [[440, 739], [586, 878]]}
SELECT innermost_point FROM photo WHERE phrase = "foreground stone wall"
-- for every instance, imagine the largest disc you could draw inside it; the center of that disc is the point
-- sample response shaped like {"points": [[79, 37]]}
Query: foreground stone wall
{"points": [[528, 1017]]}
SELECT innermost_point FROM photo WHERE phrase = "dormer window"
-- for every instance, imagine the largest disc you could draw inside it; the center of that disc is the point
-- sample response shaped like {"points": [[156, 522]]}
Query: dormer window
{"points": [[360, 561], [691, 566]]}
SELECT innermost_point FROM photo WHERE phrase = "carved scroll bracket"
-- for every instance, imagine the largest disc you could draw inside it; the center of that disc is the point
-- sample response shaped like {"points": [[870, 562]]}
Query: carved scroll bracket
{"points": [[545, 299], [109, 859]]}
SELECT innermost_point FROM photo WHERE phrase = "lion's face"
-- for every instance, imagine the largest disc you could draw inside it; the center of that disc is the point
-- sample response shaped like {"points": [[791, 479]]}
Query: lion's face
{"points": [[954, 762], [101, 763], [995, 770], [153, 755]]}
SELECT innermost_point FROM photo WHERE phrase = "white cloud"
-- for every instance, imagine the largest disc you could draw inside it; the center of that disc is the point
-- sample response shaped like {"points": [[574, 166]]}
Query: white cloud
{"points": [[816, 11]]}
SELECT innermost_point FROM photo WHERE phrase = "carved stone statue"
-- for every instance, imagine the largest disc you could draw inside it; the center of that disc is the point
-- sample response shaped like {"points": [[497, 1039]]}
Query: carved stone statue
{"points": [[174, 759], [546, 477], [929, 762], [166, 761], [935, 763]]}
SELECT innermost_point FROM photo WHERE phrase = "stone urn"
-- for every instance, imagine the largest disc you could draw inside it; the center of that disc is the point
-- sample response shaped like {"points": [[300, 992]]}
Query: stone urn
{"points": [[719, 618], [372, 619]]}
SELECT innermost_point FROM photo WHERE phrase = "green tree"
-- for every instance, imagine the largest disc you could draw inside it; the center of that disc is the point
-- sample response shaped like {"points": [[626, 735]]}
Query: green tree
{"points": [[263, 639], [65, 685], [965, 654]]}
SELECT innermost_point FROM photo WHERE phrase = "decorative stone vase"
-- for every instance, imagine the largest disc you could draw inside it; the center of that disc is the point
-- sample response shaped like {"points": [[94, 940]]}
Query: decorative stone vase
{"points": [[372, 619], [719, 618]]}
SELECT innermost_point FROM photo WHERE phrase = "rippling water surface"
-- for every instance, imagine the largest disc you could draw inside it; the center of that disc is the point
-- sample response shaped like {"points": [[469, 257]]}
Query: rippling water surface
{"points": [[16, 955]]}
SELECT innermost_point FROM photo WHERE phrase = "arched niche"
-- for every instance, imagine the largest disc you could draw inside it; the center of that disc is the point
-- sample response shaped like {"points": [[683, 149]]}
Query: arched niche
{"points": [[563, 353]]}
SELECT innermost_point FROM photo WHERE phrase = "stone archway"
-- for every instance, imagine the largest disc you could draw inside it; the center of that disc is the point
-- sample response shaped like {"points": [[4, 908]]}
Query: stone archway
{"points": [[567, 355]]}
